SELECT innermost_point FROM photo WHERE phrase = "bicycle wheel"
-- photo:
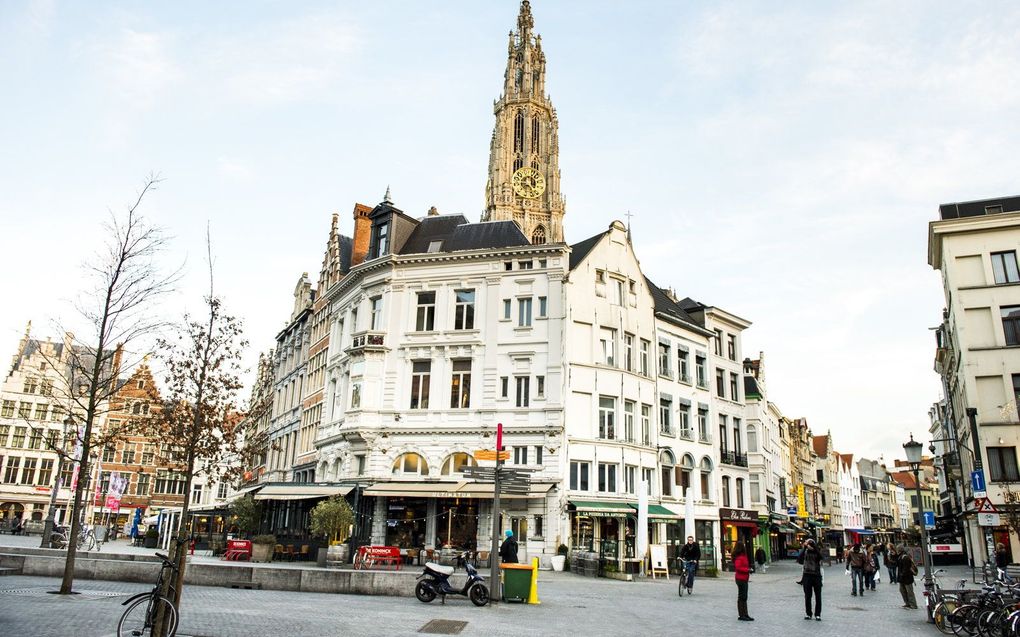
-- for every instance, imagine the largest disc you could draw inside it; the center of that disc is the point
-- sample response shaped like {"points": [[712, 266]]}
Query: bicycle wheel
{"points": [[959, 619], [139, 617], [941, 616]]}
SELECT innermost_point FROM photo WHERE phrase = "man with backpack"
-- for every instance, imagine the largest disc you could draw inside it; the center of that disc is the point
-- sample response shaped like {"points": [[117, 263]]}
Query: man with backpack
{"points": [[856, 560]]}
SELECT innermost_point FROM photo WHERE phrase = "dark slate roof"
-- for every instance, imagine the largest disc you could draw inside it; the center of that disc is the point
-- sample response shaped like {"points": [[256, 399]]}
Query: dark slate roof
{"points": [[751, 387], [666, 305], [429, 229], [346, 250], [978, 208], [691, 305], [488, 234], [579, 251]]}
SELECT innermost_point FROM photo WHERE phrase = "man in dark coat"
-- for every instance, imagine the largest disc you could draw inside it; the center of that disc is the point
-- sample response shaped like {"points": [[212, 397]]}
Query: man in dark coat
{"points": [[508, 551], [811, 578]]}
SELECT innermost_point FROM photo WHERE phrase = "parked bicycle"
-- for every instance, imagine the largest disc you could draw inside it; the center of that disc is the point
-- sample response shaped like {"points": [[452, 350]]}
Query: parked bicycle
{"points": [[143, 609], [87, 540]]}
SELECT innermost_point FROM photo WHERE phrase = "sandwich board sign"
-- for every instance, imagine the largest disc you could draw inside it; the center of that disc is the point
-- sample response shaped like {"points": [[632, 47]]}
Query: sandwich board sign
{"points": [[658, 557]]}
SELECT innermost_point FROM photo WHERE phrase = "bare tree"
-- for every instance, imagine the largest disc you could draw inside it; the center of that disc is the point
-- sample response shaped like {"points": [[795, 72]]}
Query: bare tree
{"points": [[126, 281], [199, 422]]}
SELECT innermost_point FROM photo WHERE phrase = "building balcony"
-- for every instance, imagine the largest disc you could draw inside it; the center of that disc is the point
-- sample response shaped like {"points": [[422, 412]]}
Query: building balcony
{"points": [[727, 457], [367, 341], [687, 434], [740, 459]]}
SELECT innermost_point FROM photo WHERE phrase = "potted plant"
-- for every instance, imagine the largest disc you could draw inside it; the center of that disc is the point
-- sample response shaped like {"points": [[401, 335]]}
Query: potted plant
{"points": [[246, 514], [262, 547], [560, 559], [151, 538], [332, 518]]}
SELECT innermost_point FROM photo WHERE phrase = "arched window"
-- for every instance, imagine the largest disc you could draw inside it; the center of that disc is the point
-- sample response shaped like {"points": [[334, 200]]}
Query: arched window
{"points": [[667, 461], [519, 132], [410, 464], [752, 439], [706, 478], [335, 473], [538, 236], [686, 468], [726, 491], [455, 463]]}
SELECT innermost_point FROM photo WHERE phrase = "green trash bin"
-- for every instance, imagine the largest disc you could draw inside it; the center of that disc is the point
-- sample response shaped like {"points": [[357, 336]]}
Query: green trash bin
{"points": [[516, 582]]}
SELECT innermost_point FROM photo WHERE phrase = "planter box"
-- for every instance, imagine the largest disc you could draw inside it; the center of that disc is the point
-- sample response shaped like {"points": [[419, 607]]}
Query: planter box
{"points": [[262, 552], [625, 577], [558, 562]]}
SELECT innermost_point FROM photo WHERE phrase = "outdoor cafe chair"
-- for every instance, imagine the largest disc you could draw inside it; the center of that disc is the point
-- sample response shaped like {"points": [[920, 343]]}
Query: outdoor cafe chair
{"points": [[304, 551], [288, 552], [278, 552]]}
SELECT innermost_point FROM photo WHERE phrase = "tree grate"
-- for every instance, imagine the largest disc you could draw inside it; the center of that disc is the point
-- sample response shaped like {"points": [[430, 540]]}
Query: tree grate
{"points": [[443, 627]]}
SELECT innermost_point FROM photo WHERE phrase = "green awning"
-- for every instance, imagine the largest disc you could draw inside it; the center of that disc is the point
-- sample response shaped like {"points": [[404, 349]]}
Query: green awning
{"points": [[659, 511], [602, 509]]}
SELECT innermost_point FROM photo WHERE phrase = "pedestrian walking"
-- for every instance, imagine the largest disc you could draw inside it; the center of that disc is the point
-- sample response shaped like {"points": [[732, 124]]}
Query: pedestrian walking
{"points": [[855, 562], [905, 572], [508, 550], [742, 575], [891, 557], [870, 568], [811, 559], [760, 558]]}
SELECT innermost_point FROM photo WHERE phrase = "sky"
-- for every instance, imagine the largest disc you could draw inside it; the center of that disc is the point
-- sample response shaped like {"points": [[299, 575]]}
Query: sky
{"points": [[780, 162]]}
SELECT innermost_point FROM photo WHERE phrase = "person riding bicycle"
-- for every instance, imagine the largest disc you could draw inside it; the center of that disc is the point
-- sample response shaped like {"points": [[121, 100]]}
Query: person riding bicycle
{"points": [[690, 553]]}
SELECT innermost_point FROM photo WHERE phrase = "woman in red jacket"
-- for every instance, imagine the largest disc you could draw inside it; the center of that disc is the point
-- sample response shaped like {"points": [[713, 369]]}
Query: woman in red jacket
{"points": [[743, 574]]}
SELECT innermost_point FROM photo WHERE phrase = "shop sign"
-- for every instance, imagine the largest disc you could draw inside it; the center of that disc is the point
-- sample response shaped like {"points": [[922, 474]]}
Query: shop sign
{"points": [[801, 502], [738, 515]]}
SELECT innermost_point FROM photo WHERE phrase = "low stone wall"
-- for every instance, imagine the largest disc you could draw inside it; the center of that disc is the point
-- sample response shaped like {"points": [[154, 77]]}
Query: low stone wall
{"points": [[144, 569]]}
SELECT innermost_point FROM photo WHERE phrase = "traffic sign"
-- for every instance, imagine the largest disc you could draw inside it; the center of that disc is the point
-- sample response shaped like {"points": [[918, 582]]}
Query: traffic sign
{"points": [[989, 519], [977, 483], [984, 505], [929, 519]]}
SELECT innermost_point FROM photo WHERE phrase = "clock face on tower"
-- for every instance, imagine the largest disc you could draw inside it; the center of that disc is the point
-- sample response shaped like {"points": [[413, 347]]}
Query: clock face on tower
{"points": [[528, 182]]}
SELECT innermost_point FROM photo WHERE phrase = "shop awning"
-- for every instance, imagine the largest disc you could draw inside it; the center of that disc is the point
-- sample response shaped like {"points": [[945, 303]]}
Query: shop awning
{"points": [[485, 490], [301, 491], [660, 512], [603, 509], [414, 489], [248, 490], [750, 525], [462, 489]]}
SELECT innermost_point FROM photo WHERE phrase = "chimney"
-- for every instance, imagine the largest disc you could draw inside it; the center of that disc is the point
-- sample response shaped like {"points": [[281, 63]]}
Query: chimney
{"points": [[118, 360], [433, 212], [362, 234]]}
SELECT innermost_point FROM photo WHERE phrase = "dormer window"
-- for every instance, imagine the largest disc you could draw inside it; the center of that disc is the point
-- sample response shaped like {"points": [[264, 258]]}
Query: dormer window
{"points": [[381, 240], [435, 246]]}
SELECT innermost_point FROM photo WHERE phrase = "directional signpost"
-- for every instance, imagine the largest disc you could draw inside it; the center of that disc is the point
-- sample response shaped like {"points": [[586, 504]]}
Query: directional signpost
{"points": [[977, 484]]}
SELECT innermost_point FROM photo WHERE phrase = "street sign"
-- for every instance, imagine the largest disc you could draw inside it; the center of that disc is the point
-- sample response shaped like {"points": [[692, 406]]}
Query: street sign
{"points": [[984, 505], [929, 519], [791, 511], [989, 519], [490, 454], [977, 483]]}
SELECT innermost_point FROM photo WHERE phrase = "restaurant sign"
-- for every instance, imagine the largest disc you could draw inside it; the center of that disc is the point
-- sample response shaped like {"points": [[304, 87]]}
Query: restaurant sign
{"points": [[738, 515]]}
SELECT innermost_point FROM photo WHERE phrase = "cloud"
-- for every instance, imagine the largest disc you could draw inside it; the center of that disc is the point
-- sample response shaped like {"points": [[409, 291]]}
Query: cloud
{"points": [[285, 62], [233, 169], [138, 67]]}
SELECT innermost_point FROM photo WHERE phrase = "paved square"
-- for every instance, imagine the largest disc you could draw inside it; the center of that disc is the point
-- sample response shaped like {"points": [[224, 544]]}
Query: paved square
{"points": [[570, 605]]}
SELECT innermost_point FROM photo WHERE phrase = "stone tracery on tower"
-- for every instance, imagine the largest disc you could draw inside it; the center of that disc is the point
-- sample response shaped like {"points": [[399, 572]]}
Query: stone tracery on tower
{"points": [[524, 173]]}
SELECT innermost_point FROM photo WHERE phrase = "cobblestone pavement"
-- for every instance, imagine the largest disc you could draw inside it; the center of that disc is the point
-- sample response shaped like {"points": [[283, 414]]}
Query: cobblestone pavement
{"points": [[570, 605]]}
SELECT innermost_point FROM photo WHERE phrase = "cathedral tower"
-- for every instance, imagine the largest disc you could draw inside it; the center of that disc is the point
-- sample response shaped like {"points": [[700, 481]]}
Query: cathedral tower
{"points": [[524, 155]]}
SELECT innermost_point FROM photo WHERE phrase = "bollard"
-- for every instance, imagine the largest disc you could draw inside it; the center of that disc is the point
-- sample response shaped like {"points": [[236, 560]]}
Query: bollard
{"points": [[533, 597]]}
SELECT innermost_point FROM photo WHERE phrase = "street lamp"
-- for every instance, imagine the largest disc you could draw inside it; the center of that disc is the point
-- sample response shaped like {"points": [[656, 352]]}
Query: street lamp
{"points": [[913, 451]]}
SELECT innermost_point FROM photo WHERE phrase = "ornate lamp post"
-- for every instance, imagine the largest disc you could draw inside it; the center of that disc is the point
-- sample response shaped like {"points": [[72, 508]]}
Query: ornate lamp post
{"points": [[913, 451]]}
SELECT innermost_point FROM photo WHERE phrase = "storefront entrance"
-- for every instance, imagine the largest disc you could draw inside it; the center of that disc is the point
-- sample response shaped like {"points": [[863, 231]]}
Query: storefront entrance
{"points": [[405, 522], [738, 525]]}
